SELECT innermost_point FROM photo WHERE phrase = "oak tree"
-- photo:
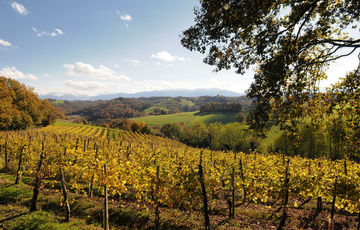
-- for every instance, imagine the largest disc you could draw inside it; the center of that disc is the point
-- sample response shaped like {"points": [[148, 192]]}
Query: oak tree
{"points": [[290, 42]]}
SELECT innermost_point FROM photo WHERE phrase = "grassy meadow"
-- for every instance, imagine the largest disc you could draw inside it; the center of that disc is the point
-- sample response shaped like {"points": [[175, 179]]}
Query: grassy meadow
{"points": [[186, 118]]}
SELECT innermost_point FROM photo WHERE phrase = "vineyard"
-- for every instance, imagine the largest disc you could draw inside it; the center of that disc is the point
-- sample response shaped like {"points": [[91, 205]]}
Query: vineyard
{"points": [[161, 174]]}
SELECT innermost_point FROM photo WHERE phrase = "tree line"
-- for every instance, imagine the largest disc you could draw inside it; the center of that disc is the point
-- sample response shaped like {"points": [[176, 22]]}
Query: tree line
{"points": [[21, 108], [221, 107], [103, 111]]}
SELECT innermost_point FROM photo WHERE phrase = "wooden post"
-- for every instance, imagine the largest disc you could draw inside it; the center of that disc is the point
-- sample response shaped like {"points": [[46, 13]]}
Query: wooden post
{"points": [[331, 225], [243, 179], [157, 211], [6, 167], [233, 193], [65, 193], [37, 182], [84, 145], [91, 187], [345, 167], [106, 205], [286, 197], [18, 173], [203, 191], [77, 144]]}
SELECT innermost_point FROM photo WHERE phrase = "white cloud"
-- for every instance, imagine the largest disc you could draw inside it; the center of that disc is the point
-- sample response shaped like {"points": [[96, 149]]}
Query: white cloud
{"points": [[58, 31], [55, 33], [19, 8], [86, 85], [87, 70], [14, 73], [166, 56], [164, 65], [5, 43], [124, 17]]}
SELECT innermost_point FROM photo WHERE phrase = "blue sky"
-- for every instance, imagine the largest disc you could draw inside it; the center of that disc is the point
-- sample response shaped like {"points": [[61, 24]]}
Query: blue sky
{"points": [[97, 47]]}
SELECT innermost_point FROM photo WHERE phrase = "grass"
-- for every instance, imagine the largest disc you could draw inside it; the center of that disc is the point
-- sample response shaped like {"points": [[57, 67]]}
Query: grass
{"points": [[187, 118], [86, 213]]}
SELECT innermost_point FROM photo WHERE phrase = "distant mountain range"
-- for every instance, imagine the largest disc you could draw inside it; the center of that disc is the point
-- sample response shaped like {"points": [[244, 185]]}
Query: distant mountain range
{"points": [[156, 93]]}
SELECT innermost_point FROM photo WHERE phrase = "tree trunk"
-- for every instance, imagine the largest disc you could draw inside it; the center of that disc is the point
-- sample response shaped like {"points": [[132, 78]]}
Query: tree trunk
{"points": [[18, 173], [37, 182]]}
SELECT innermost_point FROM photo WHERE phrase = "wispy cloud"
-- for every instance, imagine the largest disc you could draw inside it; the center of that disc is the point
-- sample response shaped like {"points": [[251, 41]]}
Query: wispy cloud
{"points": [[19, 8], [87, 70], [124, 17], [14, 73], [4, 43], [133, 61], [164, 65], [55, 33], [86, 85], [166, 56]]}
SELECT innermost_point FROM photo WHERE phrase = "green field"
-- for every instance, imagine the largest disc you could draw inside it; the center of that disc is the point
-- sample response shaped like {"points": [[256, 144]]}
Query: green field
{"points": [[186, 118]]}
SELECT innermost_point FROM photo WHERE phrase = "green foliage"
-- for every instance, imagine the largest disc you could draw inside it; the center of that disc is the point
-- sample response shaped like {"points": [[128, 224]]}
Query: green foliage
{"points": [[171, 130], [197, 135], [154, 110], [220, 107], [128, 125], [240, 117], [291, 42]]}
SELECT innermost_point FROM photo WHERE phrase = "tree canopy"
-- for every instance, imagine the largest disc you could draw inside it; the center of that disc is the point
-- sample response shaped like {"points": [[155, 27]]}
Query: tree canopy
{"points": [[290, 42], [21, 108]]}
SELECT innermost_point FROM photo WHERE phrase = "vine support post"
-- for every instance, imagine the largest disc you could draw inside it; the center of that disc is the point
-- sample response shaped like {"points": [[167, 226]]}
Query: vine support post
{"points": [[18, 173], [203, 191], [6, 157], [243, 179], [331, 225], [106, 204], [157, 211], [37, 182], [91, 187], [65, 192], [233, 193], [286, 197]]}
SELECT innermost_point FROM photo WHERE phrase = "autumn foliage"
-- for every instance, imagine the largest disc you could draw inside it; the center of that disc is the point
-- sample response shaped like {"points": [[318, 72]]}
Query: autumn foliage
{"points": [[21, 108]]}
